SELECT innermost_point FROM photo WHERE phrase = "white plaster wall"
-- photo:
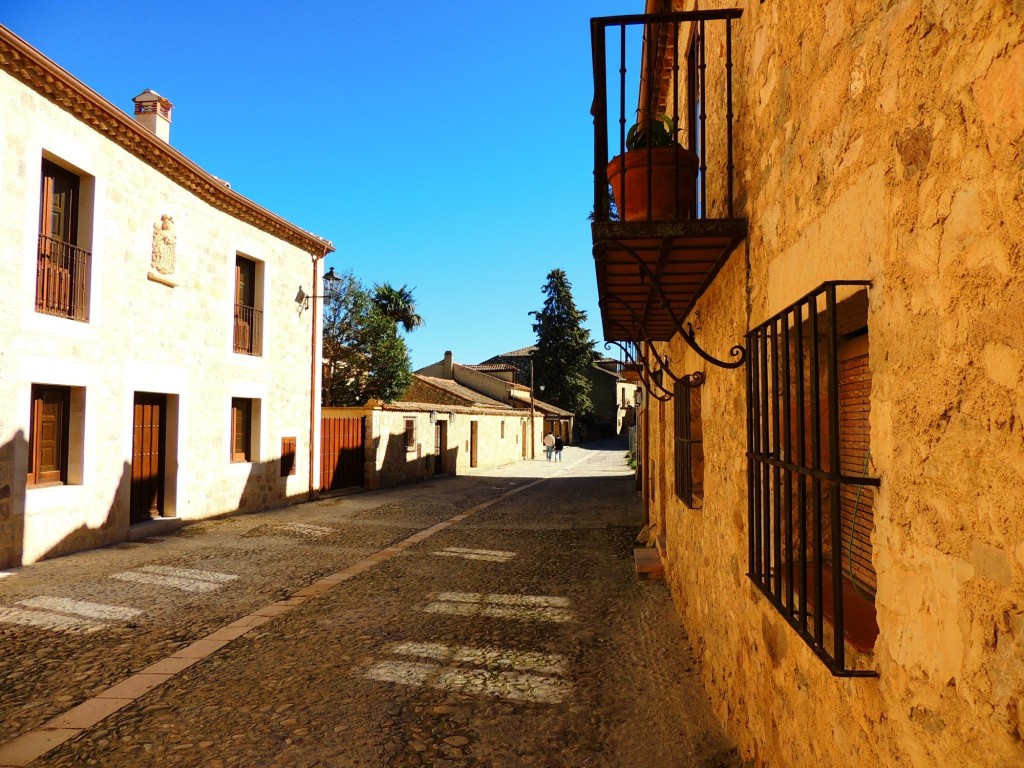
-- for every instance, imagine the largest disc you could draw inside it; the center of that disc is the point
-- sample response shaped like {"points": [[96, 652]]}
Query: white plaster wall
{"points": [[141, 336]]}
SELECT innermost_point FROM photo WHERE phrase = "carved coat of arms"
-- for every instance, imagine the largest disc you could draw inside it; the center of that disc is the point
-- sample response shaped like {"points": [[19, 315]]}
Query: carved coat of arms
{"points": [[163, 245]]}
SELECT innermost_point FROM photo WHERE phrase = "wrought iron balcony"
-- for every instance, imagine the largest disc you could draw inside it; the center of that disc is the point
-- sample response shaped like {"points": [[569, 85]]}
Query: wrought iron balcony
{"points": [[62, 279], [248, 336], [664, 218]]}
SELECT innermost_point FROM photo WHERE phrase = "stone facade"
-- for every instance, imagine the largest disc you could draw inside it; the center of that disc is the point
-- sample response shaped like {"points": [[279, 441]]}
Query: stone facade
{"points": [[394, 457], [162, 238], [880, 142]]}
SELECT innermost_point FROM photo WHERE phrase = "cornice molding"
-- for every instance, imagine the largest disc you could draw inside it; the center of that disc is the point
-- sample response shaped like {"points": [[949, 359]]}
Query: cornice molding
{"points": [[34, 70]]}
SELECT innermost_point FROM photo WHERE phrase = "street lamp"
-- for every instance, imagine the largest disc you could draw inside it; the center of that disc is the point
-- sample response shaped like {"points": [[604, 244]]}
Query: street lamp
{"points": [[303, 300]]}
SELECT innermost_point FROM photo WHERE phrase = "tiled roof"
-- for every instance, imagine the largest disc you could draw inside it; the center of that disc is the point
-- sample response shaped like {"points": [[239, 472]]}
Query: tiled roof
{"points": [[458, 390], [31, 68], [488, 367], [524, 352]]}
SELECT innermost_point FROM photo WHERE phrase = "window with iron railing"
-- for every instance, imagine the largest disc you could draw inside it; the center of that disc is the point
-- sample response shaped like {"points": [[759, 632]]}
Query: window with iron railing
{"points": [[248, 330], [62, 267], [810, 490]]}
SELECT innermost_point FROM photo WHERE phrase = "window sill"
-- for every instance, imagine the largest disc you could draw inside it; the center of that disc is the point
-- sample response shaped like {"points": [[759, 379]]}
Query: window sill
{"points": [[51, 484]]}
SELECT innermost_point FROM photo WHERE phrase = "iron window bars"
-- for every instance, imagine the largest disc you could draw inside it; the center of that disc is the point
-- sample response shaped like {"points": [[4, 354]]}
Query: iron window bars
{"points": [[795, 478]]}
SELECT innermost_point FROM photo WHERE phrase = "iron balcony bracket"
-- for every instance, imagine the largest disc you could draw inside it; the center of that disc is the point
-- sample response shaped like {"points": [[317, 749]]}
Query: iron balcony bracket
{"points": [[647, 376], [689, 336]]}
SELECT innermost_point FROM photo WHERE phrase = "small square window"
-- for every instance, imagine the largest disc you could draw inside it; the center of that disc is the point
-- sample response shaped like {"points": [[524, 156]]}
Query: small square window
{"points": [[288, 449]]}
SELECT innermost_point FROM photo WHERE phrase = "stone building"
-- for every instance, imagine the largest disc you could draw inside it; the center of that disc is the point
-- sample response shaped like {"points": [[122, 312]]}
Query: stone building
{"points": [[453, 418], [612, 396], [826, 310], [153, 365]]}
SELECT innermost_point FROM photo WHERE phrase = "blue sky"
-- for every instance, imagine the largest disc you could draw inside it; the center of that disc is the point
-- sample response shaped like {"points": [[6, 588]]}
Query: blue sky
{"points": [[446, 146]]}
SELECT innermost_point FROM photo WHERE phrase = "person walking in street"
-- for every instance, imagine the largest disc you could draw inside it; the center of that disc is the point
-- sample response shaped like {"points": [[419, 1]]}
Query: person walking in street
{"points": [[549, 444], [558, 448]]}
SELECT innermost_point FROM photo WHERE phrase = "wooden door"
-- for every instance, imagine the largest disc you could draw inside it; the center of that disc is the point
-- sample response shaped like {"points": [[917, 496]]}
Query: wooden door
{"points": [[148, 440], [473, 442], [525, 440], [342, 459], [440, 446]]}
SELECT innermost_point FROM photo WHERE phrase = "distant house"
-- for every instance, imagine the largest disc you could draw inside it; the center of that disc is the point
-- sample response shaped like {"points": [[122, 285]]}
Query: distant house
{"points": [[613, 397], [452, 419], [152, 362]]}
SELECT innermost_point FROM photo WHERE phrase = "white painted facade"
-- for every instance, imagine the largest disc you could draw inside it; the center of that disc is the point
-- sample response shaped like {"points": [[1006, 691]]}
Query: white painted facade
{"points": [[146, 332]]}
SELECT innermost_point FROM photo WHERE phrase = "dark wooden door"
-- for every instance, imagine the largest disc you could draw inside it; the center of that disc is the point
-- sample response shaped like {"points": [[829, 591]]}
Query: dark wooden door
{"points": [[473, 442], [148, 426], [440, 446], [342, 458]]}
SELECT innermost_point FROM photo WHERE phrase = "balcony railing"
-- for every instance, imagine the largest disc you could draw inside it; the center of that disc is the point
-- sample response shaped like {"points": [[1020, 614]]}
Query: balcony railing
{"points": [[674, 84], [248, 330], [62, 279]]}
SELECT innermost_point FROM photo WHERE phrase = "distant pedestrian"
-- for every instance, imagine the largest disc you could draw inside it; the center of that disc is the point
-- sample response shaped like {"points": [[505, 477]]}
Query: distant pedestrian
{"points": [[549, 444], [558, 448]]}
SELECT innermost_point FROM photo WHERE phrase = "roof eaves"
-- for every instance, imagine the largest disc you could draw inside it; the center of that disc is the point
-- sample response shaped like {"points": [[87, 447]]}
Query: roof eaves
{"points": [[34, 70]]}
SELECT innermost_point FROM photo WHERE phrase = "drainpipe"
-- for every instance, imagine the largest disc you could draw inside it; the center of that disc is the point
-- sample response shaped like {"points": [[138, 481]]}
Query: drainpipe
{"points": [[312, 370]]}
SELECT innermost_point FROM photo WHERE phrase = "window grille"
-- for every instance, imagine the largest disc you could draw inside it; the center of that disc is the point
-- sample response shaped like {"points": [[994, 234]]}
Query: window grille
{"points": [[410, 434], [809, 496]]}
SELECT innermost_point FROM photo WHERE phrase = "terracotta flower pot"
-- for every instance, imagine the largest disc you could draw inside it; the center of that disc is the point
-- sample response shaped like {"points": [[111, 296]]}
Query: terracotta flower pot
{"points": [[673, 180]]}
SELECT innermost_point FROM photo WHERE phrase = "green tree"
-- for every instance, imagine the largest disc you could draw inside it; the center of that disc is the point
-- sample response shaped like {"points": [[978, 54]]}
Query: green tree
{"points": [[364, 355], [397, 304], [564, 350]]}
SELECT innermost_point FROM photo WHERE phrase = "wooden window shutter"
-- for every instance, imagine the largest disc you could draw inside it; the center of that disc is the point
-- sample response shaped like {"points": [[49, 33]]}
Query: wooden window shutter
{"points": [[857, 502], [288, 450], [48, 440], [241, 428], [245, 281]]}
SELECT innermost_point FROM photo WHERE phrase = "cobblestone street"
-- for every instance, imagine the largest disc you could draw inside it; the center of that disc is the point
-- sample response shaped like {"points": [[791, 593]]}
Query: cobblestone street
{"points": [[489, 620]]}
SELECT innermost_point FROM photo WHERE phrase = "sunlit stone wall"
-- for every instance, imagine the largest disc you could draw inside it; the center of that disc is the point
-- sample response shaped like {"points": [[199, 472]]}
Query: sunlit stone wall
{"points": [[390, 462], [878, 141]]}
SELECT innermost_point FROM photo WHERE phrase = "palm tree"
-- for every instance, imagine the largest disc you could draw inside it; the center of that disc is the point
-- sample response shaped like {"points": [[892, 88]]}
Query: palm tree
{"points": [[397, 304]]}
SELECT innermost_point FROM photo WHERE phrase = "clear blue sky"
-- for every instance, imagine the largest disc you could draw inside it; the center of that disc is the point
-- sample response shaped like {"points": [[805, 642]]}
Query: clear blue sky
{"points": [[444, 145]]}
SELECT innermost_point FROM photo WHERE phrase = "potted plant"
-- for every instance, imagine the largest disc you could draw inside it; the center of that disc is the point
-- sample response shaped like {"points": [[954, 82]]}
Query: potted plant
{"points": [[655, 179]]}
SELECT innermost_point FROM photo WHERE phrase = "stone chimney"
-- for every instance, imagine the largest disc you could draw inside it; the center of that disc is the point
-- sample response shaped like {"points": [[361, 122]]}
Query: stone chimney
{"points": [[448, 370], [153, 111]]}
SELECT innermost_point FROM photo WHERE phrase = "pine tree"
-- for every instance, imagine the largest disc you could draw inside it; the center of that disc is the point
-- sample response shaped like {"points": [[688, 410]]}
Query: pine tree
{"points": [[564, 350]]}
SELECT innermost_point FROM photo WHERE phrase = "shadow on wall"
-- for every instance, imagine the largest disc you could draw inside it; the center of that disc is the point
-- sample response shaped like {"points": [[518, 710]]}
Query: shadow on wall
{"points": [[113, 528], [399, 465], [12, 502], [266, 488]]}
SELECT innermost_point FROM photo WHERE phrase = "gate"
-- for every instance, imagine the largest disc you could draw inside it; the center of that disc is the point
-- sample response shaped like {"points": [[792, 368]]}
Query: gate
{"points": [[342, 458]]}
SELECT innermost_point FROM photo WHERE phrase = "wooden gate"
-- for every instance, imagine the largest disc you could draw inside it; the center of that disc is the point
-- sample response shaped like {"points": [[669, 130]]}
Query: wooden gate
{"points": [[342, 458], [147, 495]]}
